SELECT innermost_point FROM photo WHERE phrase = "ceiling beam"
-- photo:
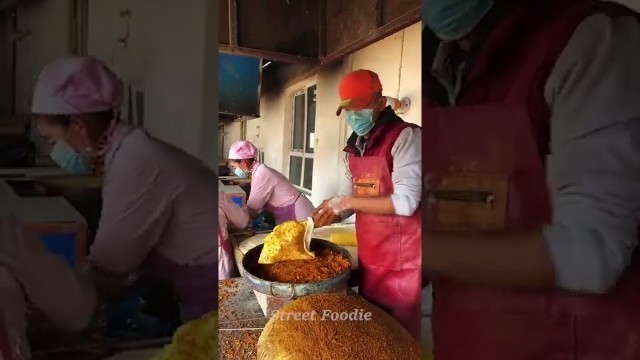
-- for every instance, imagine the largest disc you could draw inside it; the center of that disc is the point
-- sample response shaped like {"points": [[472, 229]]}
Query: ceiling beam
{"points": [[412, 17], [233, 22], [381, 32], [6, 4], [265, 54]]}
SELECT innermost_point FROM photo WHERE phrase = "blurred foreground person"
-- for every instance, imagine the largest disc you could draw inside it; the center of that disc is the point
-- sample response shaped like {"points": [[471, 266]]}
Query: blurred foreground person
{"points": [[229, 213], [33, 277], [532, 164]]}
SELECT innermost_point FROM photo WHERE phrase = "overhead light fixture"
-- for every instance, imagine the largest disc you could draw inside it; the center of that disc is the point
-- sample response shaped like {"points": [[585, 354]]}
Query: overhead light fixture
{"points": [[266, 64]]}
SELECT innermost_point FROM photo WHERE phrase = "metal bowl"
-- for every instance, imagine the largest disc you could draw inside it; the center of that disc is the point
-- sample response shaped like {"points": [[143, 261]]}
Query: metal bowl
{"points": [[291, 291]]}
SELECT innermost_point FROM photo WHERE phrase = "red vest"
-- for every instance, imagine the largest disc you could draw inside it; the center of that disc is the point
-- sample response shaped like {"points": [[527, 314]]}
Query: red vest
{"points": [[496, 138], [6, 352]]}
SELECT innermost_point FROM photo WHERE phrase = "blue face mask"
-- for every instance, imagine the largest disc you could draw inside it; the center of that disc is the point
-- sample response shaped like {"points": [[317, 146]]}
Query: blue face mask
{"points": [[452, 20], [240, 173], [360, 121], [69, 159]]}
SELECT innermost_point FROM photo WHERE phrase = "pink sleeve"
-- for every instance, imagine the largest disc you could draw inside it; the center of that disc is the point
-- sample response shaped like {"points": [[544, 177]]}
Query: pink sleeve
{"points": [[238, 216], [261, 190], [135, 211]]}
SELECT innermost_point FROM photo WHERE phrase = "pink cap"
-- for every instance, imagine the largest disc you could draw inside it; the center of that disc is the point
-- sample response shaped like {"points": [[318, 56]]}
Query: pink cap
{"points": [[242, 150], [76, 85]]}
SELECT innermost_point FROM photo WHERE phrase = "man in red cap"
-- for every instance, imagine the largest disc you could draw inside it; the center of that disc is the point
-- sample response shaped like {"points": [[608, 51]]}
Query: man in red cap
{"points": [[383, 187]]}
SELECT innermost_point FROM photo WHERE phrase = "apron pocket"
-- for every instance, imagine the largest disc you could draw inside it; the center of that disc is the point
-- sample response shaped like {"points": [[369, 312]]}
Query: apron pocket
{"points": [[379, 241], [468, 202]]}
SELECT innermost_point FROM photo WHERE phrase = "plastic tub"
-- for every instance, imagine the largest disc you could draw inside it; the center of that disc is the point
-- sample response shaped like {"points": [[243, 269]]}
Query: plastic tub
{"points": [[63, 245]]}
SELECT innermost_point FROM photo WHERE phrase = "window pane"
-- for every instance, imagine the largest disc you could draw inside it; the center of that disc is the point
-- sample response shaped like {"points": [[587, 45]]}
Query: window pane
{"points": [[311, 118], [295, 170], [298, 122], [308, 173]]}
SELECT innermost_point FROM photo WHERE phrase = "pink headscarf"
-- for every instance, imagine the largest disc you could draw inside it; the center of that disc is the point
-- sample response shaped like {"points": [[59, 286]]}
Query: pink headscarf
{"points": [[76, 85], [242, 150]]}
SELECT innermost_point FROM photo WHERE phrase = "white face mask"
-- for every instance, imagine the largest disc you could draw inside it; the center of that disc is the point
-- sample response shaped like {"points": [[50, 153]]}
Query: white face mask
{"points": [[240, 173], [69, 159], [360, 121]]}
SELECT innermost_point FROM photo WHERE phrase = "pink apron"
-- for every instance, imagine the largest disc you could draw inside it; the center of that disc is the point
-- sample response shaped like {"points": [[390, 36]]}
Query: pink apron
{"points": [[226, 265], [389, 246], [196, 286], [285, 213], [489, 177]]}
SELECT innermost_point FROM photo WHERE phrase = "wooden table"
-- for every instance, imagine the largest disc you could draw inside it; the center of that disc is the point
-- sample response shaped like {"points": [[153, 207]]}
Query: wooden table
{"points": [[136, 355], [240, 320]]}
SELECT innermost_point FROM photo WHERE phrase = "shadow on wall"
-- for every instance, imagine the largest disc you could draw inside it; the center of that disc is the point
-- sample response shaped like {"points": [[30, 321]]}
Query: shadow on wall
{"points": [[277, 76]]}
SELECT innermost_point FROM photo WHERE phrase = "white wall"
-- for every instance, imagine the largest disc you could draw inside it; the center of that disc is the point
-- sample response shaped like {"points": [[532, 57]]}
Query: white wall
{"points": [[46, 25], [49, 25], [396, 59], [170, 57]]}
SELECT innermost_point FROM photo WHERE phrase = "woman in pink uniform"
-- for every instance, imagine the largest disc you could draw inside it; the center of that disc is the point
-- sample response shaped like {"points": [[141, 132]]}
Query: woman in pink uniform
{"points": [[228, 212], [31, 274], [158, 214], [270, 190]]}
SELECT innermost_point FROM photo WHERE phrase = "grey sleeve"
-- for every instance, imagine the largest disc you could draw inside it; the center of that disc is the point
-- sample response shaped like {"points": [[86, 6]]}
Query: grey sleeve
{"points": [[593, 170]]}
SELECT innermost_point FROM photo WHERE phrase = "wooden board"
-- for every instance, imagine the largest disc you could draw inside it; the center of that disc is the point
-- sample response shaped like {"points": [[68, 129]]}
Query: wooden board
{"points": [[13, 128], [7, 194], [290, 27], [46, 210], [34, 172], [240, 319], [223, 21], [348, 21], [393, 9]]}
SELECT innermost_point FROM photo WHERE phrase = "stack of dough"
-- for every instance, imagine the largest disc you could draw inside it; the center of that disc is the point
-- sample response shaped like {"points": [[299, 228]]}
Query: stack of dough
{"points": [[195, 340], [287, 242], [344, 238], [292, 335]]}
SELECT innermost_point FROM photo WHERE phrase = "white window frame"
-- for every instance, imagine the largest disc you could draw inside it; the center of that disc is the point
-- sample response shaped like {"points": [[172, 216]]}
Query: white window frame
{"points": [[302, 153]]}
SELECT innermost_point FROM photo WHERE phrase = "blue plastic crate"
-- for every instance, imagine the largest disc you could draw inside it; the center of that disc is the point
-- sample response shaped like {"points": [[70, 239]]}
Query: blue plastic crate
{"points": [[61, 244], [237, 200]]}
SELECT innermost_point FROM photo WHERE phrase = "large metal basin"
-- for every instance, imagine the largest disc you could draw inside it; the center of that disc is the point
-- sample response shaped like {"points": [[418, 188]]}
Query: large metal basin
{"points": [[291, 291]]}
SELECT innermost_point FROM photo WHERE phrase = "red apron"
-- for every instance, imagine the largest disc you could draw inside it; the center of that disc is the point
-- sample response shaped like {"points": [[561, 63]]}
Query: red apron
{"points": [[488, 176], [6, 353], [389, 246]]}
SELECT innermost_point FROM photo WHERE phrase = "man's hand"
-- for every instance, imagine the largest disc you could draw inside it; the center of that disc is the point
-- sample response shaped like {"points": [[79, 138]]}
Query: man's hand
{"points": [[324, 215]]}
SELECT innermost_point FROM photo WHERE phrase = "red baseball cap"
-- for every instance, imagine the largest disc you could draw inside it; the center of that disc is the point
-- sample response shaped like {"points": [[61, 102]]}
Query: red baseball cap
{"points": [[357, 89]]}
